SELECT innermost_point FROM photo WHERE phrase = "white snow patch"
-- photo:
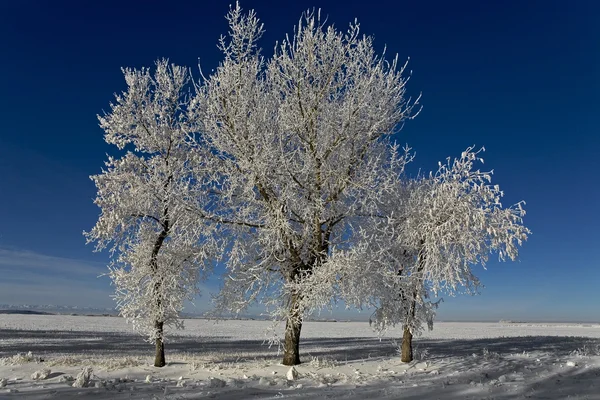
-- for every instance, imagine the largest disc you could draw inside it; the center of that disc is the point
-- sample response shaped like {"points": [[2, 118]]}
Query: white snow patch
{"points": [[292, 374], [41, 374], [84, 377]]}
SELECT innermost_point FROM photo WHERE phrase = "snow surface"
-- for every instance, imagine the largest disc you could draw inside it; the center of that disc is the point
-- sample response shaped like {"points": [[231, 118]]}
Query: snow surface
{"points": [[341, 360]]}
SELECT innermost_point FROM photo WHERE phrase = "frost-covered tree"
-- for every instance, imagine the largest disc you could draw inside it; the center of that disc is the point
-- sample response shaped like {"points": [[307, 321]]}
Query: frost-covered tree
{"points": [[148, 198], [440, 226], [302, 141]]}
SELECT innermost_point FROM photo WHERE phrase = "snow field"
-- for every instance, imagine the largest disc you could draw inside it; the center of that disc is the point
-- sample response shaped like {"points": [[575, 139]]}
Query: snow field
{"points": [[231, 359], [253, 329]]}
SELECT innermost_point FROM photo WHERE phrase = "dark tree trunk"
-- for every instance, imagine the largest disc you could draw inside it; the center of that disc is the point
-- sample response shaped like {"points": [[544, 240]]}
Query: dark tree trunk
{"points": [[407, 351], [159, 357], [293, 326]]}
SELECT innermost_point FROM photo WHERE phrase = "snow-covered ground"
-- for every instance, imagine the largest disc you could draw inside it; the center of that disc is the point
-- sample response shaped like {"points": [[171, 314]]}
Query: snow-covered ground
{"points": [[345, 360]]}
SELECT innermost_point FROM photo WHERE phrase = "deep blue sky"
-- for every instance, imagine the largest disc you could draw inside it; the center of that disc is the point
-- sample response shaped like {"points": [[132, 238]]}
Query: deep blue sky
{"points": [[521, 78]]}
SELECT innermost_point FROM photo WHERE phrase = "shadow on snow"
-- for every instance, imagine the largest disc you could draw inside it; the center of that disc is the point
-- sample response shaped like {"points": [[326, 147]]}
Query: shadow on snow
{"points": [[466, 366], [230, 350]]}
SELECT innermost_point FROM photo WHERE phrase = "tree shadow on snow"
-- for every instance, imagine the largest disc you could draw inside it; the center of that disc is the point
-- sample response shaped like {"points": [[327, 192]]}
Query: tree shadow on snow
{"points": [[218, 349], [560, 345], [90, 343], [532, 366]]}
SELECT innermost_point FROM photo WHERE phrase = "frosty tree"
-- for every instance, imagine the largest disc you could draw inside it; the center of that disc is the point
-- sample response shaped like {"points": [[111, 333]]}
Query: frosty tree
{"points": [[301, 139], [159, 247], [440, 226]]}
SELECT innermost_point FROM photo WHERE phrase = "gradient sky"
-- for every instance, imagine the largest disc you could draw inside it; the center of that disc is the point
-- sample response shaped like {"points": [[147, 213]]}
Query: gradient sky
{"points": [[521, 78]]}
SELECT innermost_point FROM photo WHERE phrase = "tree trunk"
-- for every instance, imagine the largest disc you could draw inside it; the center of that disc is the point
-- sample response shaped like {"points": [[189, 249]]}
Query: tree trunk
{"points": [[159, 357], [293, 325], [407, 351]]}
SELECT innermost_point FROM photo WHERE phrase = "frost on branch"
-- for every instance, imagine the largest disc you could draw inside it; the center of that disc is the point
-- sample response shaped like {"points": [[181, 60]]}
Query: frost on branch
{"points": [[454, 219], [302, 141], [437, 228], [149, 199]]}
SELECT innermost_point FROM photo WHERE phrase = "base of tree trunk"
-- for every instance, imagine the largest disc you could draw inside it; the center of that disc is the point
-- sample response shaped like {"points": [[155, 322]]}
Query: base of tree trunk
{"points": [[159, 357], [407, 351], [291, 347]]}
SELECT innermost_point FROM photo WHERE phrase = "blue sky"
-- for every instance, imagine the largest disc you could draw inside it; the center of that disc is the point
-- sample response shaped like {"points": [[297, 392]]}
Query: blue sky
{"points": [[520, 78]]}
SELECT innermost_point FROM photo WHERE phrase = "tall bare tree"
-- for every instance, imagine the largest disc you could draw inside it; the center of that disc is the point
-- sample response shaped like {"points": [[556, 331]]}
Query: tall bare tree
{"points": [[300, 139], [148, 199], [437, 228]]}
